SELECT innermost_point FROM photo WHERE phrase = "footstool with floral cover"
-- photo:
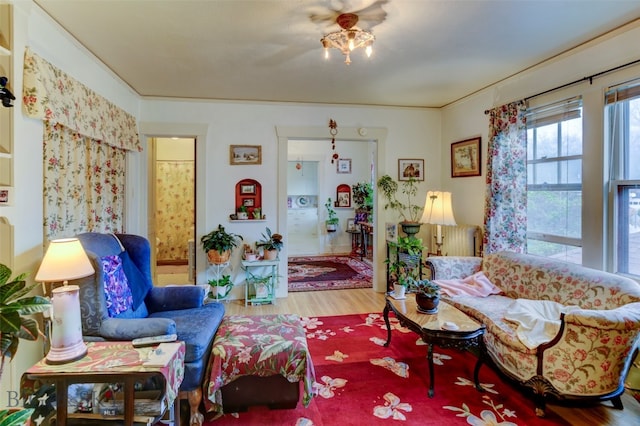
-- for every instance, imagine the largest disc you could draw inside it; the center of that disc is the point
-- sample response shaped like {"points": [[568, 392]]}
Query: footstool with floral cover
{"points": [[259, 360]]}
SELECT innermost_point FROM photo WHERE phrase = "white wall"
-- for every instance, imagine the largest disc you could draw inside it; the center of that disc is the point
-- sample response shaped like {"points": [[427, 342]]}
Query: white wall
{"points": [[465, 119], [411, 133]]}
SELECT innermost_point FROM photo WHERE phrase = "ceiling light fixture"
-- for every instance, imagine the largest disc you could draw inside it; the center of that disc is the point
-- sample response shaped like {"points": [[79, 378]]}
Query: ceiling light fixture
{"points": [[348, 38]]}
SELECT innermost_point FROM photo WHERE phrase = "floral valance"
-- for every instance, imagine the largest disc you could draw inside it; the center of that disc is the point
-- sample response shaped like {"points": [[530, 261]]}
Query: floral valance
{"points": [[50, 94]]}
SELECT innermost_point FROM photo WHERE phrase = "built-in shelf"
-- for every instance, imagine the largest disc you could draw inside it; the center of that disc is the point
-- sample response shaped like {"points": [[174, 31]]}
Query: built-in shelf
{"points": [[247, 220]]}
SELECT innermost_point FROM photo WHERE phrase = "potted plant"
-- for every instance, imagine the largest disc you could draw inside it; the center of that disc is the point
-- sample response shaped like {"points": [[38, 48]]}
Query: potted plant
{"points": [[427, 295], [14, 304], [271, 244], [403, 268], [249, 254], [409, 212], [332, 222], [363, 199], [221, 287], [218, 245], [243, 213]]}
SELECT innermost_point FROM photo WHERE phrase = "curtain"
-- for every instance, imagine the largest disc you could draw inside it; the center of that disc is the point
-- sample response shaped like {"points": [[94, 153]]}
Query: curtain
{"points": [[175, 213], [84, 146], [83, 184], [505, 223]]}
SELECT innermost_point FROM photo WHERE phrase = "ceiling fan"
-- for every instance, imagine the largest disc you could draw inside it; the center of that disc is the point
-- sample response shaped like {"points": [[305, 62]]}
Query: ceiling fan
{"points": [[372, 14]]}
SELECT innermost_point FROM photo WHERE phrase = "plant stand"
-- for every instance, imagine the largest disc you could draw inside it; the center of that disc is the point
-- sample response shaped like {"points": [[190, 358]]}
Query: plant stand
{"points": [[216, 271], [260, 289]]}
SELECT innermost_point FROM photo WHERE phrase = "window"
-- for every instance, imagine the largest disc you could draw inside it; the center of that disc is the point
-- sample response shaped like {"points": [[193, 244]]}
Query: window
{"points": [[554, 180], [622, 124]]}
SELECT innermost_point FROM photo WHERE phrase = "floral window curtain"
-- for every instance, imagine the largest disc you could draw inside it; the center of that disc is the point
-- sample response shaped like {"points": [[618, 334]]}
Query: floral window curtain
{"points": [[85, 142], [175, 217], [505, 223], [83, 184]]}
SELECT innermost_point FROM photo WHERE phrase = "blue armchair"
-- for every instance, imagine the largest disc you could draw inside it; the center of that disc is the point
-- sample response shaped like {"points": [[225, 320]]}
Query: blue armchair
{"points": [[151, 311]]}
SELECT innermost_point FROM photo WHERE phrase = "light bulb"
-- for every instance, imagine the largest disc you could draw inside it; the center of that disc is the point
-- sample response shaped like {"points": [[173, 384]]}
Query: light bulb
{"points": [[368, 50], [326, 53]]}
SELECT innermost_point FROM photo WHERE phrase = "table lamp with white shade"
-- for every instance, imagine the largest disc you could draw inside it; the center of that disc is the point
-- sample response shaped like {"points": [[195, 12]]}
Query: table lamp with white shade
{"points": [[65, 260], [438, 211]]}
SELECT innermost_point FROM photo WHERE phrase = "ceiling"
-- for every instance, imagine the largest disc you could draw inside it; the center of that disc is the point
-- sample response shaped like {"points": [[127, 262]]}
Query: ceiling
{"points": [[428, 53]]}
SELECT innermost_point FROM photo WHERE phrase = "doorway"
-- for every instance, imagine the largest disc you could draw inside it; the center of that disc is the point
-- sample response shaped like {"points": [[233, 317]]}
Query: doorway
{"points": [[173, 204], [361, 154]]}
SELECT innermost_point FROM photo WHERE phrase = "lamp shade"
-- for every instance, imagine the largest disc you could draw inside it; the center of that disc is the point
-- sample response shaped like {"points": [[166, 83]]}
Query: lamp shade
{"points": [[64, 260], [438, 209]]}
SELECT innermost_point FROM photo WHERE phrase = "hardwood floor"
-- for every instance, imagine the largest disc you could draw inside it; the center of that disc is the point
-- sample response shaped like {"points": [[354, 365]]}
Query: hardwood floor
{"points": [[343, 302]]}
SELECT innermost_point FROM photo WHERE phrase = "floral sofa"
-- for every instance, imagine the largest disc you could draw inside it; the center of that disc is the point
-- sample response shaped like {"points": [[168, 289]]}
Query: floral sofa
{"points": [[591, 352]]}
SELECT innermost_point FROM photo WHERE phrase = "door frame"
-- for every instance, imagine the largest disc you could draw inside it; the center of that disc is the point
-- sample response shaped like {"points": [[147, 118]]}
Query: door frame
{"points": [[378, 135]]}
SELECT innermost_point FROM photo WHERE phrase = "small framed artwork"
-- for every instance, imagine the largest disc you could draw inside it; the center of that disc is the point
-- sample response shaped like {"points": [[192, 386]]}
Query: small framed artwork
{"points": [[245, 154], [248, 189], [410, 169], [351, 224], [249, 202], [5, 196], [344, 199], [344, 165], [466, 157], [391, 231]]}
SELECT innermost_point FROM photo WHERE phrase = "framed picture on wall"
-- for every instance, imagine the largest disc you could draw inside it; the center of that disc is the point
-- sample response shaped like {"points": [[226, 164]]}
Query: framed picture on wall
{"points": [[344, 165], [248, 189], [245, 154], [249, 202], [465, 158], [391, 231], [410, 168], [5, 196]]}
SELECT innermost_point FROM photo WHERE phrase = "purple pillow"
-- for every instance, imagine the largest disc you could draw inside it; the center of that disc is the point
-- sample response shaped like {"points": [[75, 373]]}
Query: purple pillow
{"points": [[117, 293]]}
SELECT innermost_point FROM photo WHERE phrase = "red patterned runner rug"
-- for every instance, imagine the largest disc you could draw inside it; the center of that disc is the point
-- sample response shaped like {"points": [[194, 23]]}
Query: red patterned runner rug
{"points": [[360, 382], [311, 273]]}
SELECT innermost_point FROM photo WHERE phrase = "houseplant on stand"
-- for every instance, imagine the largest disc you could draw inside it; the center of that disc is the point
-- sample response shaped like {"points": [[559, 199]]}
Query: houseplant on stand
{"points": [[271, 244], [403, 268], [221, 287], [363, 199], [427, 295], [409, 211], [14, 304], [218, 245], [332, 222]]}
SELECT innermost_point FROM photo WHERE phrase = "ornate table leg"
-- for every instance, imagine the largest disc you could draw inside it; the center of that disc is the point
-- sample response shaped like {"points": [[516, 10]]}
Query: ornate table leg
{"points": [[385, 313], [476, 370], [431, 374]]}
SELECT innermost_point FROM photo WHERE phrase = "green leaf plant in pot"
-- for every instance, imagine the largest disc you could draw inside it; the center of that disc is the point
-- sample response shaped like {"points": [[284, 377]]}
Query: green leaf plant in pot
{"points": [[407, 209], [271, 244], [332, 217], [218, 245], [14, 325], [363, 199], [427, 295], [403, 267], [221, 287]]}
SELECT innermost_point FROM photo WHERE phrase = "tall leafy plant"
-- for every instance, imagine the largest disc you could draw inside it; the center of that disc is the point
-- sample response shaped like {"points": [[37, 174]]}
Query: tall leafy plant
{"points": [[406, 205], [14, 305]]}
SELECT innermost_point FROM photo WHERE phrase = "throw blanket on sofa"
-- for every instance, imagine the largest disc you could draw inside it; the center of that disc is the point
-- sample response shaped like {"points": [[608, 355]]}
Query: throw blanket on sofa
{"points": [[477, 285], [538, 320]]}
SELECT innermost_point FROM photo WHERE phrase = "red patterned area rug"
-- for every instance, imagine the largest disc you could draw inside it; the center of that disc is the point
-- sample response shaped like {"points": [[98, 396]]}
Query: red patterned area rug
{"points": [[311, 273], [360, 382]]}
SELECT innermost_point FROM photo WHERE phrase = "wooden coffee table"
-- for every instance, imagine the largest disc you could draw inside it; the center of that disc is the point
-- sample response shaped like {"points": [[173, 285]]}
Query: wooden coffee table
{"points": [[434, 329]]}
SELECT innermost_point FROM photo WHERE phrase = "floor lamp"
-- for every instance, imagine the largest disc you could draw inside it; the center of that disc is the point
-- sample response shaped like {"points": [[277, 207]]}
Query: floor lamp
{"points": [[65, 260], [438, 211]]}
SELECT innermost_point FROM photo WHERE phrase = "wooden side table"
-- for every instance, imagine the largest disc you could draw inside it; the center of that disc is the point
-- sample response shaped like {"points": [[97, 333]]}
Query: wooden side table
{"points": [[110, 362]]}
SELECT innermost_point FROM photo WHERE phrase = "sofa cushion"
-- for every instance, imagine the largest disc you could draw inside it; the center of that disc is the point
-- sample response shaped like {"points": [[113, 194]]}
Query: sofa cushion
{"points": [[196, 327], [138, 284], [117, 294]]}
